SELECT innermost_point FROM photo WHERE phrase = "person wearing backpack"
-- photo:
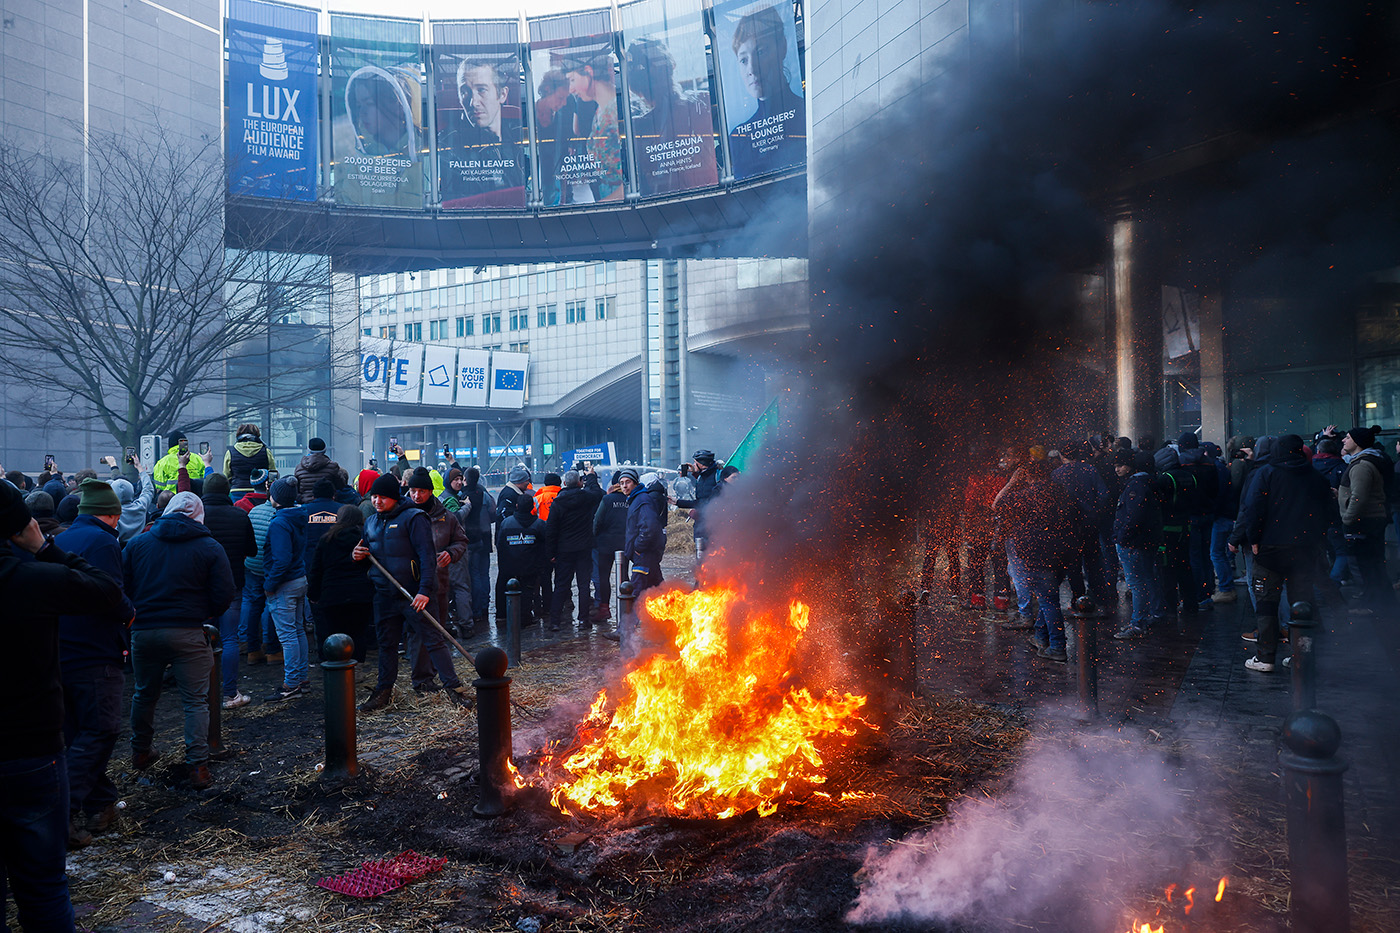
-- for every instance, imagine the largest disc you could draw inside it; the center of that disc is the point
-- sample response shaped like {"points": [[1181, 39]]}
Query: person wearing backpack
{"points": [[478, 517], [1177, 494], [1202, 516]]}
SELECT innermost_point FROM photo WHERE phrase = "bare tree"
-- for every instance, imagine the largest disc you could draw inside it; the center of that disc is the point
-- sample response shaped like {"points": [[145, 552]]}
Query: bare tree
{"points": [[121, 291]]}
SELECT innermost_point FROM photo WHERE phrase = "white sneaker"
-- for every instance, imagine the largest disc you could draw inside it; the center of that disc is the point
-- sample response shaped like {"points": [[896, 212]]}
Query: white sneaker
{"points": [[237, 700], [1254, 664]]}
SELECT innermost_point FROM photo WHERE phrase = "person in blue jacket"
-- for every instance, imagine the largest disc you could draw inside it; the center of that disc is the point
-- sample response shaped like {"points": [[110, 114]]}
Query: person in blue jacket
{"points": [[284, 583], [92, 650], [645, 539]]}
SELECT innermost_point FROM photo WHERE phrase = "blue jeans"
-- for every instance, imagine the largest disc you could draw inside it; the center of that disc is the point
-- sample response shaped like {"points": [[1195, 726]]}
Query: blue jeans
{"points": [[255, 626], [479, 570], [1220, 557], [186, 651], [92, 720], [288, 608], [1017, 570], [33, 841], [228, 638], [1142, 582], [1049, 623]]}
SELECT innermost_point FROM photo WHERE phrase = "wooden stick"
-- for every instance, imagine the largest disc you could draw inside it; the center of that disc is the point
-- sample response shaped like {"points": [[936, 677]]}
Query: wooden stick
{"points": [[423, 612]]}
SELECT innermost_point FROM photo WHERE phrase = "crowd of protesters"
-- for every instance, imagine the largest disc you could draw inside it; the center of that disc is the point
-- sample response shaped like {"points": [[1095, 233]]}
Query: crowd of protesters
{"points": [[1307, 520], [117, 576]]}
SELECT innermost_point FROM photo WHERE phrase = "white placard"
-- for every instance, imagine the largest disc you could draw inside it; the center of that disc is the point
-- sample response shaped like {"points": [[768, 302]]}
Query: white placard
{"points": [[473, 369], [439, 374]]}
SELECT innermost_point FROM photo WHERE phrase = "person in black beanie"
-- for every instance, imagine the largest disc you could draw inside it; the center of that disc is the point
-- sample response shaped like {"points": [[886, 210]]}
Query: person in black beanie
{"points": [[38, 583]]}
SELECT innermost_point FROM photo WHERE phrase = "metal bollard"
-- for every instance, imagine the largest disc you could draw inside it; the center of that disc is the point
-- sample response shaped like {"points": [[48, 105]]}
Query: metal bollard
{"points": [[513, 621], [493, 730], [1086, 632], [627, 619], [1303, 637], [339, 671], [216, 691], [1317, 838]]}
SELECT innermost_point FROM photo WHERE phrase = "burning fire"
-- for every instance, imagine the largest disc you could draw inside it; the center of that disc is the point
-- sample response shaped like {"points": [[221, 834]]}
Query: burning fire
{"points": [[713, 728], [1189, 896]]}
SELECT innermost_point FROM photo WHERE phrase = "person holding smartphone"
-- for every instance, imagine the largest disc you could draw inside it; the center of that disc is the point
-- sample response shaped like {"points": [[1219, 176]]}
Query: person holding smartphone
{"points": [[247, 456], [167, 471]]}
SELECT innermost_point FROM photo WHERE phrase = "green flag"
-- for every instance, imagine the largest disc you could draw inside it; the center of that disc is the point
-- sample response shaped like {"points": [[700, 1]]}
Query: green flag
{"points": [[758, 436]]}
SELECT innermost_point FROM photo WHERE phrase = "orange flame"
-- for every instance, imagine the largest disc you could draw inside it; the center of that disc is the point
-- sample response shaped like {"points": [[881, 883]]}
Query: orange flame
{"points": [[1220, 889], [709, 729], [1190, 901], [1145, 928]]}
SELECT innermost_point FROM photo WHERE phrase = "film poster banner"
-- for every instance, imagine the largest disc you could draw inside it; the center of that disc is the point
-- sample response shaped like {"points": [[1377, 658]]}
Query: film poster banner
{"points": [[481, 133], [756, 46], [439, 374], [576, 120], [473, 366], [508, 374], [272, 112], [377, 138], [668, 83]]}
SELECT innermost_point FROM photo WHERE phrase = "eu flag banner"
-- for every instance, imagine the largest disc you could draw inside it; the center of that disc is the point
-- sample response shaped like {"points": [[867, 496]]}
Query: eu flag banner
{"points": [[509, 376]]}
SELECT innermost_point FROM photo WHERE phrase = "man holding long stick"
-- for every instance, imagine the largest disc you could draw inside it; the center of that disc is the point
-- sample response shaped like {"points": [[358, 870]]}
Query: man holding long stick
{"points": [[400, 539]]}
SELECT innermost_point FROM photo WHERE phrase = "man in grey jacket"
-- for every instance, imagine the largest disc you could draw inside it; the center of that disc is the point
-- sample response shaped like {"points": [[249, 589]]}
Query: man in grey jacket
{"points": [[1361, 499]]}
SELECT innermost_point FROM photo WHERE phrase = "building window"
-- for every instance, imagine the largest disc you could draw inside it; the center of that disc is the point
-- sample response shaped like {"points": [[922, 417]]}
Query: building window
{"points": [[490, 323], [572, 279], [576, 312], [520, 320], [392, 331], [521, 347], [546, 282], [605, 307], [413, 331], [369, 331], [437, 330], [548, 315]]}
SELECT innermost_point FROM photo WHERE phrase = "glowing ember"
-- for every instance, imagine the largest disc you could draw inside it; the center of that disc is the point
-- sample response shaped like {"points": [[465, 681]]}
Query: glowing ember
{"points": [[1220, 889], [1146, 928], [1188, 895], [713, 729]]}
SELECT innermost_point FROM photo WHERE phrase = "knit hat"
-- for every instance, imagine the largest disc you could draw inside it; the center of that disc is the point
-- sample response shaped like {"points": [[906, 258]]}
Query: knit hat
{"points": [[420, 479], [324, 488], [216, 484], [1124, 458], [283, 493], [1290, 444], [704, 456], [258, 479], [1363, 436], [1188, 441], [14, 514], [176, 436], [186, 504], [518, 474], [552, 479], [40, 503], [453, 474], [627, 473], [315, 444], [386, 485], [98, 498]]}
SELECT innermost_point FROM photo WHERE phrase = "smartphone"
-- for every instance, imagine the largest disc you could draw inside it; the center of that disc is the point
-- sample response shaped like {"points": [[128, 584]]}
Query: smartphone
{"points": [[203, 448], [373, 463], [393, 444], [48, 461], [131, 455]]}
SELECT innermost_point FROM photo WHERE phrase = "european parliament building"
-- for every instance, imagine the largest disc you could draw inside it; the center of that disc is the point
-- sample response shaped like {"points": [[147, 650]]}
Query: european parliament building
{"points": [[551, 232]]}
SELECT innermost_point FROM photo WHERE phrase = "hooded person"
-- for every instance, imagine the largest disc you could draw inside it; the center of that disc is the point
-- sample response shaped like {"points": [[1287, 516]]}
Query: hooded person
{"points": [[232, 528], [383, 134], [399, 537], [314, 466], [1178, 493], [707, 486], [545, 497], [39, 583], [1137, 537], [178, 577], [284, 585], [257, 495], [365, 480], [1284, 518], [247, 455]]}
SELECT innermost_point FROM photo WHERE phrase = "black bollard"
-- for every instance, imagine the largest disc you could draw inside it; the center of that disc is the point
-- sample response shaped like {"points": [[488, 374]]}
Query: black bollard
{"points": [[493, 730], [627, 619], [339, 672], [1088, 636], [1317, 837], [513, 621], [216, 691], [1303, 637]]}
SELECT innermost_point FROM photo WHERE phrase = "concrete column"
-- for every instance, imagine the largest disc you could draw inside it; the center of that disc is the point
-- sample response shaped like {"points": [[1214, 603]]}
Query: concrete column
{"points": [[368, 422], [1137, 312], [1213, 401], [536, 460], [483, 445]]}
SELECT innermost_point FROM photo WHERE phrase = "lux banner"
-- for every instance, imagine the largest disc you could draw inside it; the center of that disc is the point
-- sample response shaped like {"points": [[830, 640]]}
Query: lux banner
{"points": [[272, 151]]}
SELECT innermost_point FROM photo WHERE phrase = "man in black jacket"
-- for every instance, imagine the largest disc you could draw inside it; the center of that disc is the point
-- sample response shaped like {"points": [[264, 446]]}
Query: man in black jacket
{"points": [[1284, 518], [450, 545], [400, 537], [230, 527], [477, 515], [178, 578], [1137, 537], [707, 486], [609, 532], [517, 485], [35, 590], [569, 533], [521, 553]]}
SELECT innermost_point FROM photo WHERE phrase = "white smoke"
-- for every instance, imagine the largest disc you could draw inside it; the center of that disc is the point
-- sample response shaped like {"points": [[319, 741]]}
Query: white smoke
{"points": [[1088, 821]]}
